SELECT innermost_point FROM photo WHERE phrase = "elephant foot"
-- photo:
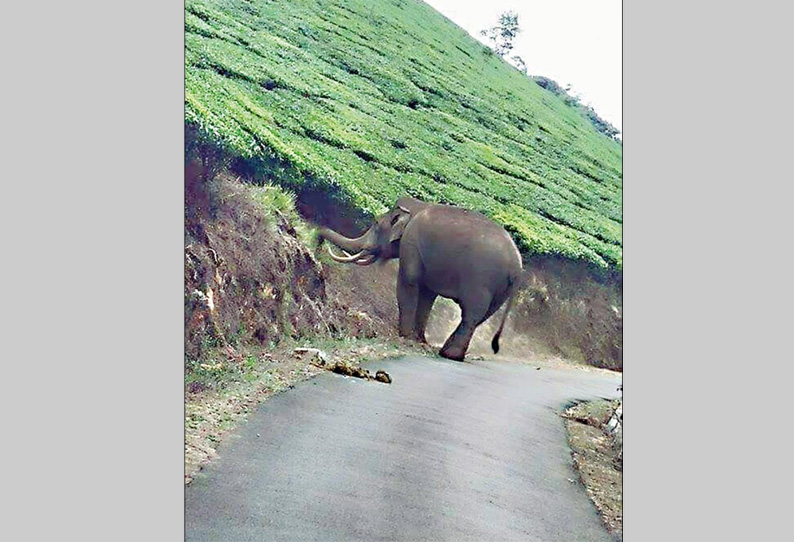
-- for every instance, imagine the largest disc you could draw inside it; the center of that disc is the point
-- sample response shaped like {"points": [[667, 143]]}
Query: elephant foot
{"points": [[455, 354]]}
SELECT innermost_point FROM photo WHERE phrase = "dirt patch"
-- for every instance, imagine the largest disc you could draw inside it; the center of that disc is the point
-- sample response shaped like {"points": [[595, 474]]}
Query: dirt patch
{"points": [[598, 459]]}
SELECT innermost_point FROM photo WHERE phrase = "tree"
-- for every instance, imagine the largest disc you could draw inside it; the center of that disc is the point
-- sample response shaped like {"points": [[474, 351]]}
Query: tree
{"points": [[502, 35], [519, 63]]}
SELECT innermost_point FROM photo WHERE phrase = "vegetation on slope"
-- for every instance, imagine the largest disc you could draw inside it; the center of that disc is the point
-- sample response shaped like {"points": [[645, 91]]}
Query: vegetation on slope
{"points": [[374, 99], [574, 101]]}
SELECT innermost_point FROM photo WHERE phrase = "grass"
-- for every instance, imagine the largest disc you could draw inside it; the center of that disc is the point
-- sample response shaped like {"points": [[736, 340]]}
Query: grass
{"points": [[371, 100], [276, 204]]}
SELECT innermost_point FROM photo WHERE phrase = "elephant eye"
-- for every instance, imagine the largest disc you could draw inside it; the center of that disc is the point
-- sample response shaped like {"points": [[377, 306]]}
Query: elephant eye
{"points": [[394, 219]]}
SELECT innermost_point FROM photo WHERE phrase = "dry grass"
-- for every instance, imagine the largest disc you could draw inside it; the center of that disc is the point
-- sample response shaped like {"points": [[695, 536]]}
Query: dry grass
{"points": [[595, 459]]}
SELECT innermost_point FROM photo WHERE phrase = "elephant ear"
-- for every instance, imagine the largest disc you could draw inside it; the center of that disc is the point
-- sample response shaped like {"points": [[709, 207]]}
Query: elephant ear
{"points": [[398, 226]]}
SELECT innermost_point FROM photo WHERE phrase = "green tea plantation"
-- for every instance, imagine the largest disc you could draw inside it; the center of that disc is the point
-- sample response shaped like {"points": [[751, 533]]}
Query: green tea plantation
{"points": [[375, 99]]}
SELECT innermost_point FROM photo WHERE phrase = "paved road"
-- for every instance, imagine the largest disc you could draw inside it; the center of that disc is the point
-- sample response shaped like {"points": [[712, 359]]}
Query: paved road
{"points": [[449, 451]]}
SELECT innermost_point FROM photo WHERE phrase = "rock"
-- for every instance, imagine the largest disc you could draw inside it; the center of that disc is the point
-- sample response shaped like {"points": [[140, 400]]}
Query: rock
{"points": [[360, 373], [614, 428], [383, 376]]}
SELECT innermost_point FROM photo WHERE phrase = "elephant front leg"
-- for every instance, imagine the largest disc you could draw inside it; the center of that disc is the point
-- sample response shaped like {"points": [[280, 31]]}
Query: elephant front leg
{"points": [[407, 295], [424, 304]]}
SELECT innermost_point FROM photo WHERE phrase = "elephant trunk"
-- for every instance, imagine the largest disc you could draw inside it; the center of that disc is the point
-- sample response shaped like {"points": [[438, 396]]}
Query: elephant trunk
{"points": [[345, 243]]}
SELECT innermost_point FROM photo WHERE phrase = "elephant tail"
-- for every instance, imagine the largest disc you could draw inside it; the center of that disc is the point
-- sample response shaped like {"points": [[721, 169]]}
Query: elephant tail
{"points": [[495, 341]]}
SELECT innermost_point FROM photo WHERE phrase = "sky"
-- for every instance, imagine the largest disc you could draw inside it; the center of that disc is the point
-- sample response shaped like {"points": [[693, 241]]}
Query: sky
{"points": [[574, 42]]}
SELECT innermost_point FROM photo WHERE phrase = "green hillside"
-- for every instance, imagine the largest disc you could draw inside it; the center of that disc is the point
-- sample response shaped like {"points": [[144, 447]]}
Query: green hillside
{"points": [[375, 99]]}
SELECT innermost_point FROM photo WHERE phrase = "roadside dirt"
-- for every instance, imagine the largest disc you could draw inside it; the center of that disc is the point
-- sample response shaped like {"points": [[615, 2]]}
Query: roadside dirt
{"points": [[597, 460]]}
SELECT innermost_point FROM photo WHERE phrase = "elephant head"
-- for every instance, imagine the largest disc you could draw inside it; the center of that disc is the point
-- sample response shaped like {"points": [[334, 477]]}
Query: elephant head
{"points": [[381, 241]]}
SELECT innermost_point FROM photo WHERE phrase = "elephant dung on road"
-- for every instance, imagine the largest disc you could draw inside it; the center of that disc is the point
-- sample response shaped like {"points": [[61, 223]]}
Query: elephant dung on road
{"points": [[444, 251]]}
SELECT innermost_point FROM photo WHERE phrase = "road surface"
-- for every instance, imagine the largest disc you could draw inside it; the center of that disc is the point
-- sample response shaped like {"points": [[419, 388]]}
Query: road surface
{"points": [[448, 451]]}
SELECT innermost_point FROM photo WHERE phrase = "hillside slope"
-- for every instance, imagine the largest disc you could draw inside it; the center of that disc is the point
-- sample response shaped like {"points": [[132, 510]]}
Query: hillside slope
{"points": [[371, 99]]}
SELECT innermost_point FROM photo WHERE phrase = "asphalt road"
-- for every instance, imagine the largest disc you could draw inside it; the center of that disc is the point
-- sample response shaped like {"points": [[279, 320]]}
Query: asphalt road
{"points": [[448, 451]]}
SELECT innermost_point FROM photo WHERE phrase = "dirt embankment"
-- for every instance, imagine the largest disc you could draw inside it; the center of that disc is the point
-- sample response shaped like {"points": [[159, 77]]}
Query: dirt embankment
{"points": [[573, 311], [252, 278]]}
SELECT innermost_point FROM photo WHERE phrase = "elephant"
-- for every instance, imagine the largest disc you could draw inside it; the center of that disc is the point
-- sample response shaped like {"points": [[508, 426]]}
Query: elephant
{"points": [[443, 250]]}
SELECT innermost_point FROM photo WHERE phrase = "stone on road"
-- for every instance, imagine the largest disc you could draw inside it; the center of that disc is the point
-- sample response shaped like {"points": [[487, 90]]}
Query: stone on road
{"points": [[448, 451]]}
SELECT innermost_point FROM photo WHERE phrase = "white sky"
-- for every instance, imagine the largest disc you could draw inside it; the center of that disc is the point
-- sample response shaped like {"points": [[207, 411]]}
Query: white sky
{"points": [[576, 42]]}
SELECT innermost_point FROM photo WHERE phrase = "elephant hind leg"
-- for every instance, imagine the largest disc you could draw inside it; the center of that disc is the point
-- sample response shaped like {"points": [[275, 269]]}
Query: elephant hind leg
{"points": [[473, 314], [496, 303], [458, 343]]}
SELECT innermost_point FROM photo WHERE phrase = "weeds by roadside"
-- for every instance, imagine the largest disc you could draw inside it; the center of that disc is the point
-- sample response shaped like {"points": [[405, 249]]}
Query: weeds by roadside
{"points": [[597, 459]]}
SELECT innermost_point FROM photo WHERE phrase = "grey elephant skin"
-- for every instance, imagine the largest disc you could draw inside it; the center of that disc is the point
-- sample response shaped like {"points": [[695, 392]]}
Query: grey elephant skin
{"points": [[444, 251]]}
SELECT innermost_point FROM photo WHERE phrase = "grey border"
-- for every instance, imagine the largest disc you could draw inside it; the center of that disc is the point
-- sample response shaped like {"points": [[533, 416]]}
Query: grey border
{"points": [[705, 137], [92, 268]]}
